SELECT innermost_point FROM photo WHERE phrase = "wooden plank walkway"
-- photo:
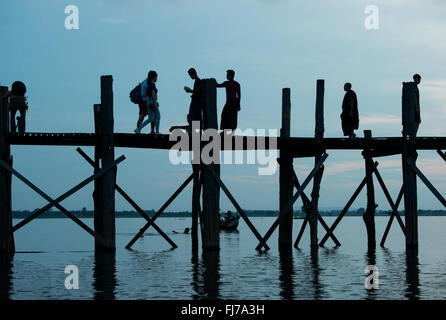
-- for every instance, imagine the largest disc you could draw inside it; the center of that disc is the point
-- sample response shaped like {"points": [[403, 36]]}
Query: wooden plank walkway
{"points": [[299, 146]]}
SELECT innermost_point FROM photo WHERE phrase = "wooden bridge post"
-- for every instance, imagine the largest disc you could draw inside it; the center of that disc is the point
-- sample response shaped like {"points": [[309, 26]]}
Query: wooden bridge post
{"points": [[104, 193], [369, 215], [319, 135], [196, 188], [211, 189], [409, 154], [6, 243], [285, 175]]}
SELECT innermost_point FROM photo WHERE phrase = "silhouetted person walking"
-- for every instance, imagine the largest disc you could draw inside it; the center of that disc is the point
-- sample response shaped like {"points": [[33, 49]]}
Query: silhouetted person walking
{"points": [[143, 107], [417, 81], [349, 115], [152, 104], [17, 102], [232, 105]]}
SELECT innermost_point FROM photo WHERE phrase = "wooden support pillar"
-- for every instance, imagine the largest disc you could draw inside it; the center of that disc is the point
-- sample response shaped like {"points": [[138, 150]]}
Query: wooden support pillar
{"points": [[104, 193], [369, 215], [211, 189], [409, 153], [6, 243], [195, 206], [319, 135], [285, 175]]}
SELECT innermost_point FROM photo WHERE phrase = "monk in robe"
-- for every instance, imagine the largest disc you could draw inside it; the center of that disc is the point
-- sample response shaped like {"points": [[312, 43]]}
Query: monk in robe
{"points": [[349, 115]]}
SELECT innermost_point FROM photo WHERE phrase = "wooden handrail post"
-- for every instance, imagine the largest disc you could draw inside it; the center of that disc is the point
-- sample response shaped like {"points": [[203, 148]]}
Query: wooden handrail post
{"points": [[7, 243], [104, 193], [369, 215], [211, 189], [285, 175], [319, 135], [409, 176]]}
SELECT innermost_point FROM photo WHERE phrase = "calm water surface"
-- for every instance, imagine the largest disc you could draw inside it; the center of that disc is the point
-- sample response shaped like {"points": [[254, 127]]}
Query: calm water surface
{"points": [[153, 271]]}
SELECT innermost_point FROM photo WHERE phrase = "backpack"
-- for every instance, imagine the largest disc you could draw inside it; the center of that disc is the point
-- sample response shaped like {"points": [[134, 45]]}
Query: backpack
{"points": [[135, 94]]}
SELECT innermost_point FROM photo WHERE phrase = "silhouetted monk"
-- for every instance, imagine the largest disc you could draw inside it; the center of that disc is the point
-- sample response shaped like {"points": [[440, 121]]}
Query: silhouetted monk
{"points": [[232, 105], [349, 115], [417, 81]]}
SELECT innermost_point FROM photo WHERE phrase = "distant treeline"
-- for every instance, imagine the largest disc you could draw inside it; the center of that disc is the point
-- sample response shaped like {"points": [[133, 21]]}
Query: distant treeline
{"points": [[251, 213]]}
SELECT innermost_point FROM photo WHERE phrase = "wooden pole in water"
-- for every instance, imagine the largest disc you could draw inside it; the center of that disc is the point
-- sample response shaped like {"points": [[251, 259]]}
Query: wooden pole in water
{"points": [[211, 190], [369, 215], [195, 206], [6, 243], [104, 193], [409, 153], [285, 175], [319, 135]]}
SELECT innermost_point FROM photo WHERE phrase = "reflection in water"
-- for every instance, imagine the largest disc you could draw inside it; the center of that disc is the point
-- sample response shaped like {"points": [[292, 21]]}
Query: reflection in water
{"points": [[412, 274], [371, 261], [206, 275], [316, 271], [5, 275], [104, 275], [286, 273]]}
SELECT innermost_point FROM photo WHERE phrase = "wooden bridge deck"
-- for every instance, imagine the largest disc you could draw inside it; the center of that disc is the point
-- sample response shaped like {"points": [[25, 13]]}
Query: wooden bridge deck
{"points": [[297, 146]]}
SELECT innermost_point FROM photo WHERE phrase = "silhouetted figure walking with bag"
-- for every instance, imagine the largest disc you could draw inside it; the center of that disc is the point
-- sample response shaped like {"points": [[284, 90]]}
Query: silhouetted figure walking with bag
{"points": [[349, 115]]}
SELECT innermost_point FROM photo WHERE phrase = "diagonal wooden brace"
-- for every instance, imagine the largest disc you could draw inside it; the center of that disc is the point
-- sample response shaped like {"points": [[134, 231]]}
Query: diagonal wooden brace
{"points": [[237, 206], [394, 214], [292, 201], [55, 202], [160, 211], [345, 210], [130, 200], [442, 154], [307, 202], [393, 206], [426, 182]]}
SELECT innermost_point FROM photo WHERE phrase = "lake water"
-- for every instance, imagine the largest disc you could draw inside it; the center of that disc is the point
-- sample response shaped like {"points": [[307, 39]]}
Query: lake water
{"points": [[153, 271]]}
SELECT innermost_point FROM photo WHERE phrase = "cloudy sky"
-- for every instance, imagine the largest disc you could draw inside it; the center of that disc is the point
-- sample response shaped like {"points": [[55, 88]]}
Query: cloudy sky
{"points": [[271, 44]]}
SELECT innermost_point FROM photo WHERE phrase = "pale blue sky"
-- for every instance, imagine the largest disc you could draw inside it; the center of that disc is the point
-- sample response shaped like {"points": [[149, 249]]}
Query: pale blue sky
{"points": [[270, 44]]}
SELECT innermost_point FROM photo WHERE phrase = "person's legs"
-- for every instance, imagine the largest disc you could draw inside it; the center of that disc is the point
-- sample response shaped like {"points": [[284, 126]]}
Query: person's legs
{"points": [[21, 120], [149, 119], [13, 110], [142, 114], [157, 120]]}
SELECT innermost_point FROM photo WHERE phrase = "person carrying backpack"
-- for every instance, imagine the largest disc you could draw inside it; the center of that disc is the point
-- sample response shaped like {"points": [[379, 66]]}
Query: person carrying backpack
{"points": [[17, 102], [151, 93], [139, 96]]}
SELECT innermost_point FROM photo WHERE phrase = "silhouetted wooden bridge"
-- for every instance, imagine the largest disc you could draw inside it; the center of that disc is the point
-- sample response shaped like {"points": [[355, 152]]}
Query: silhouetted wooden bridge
{"points": [[206, 177], [386, 145]]}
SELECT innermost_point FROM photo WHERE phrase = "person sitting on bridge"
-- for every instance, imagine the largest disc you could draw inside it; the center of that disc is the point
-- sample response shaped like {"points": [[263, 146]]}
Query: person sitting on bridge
{"points": [[349, 115], [17, 102], [152, 103], [232, 105]]}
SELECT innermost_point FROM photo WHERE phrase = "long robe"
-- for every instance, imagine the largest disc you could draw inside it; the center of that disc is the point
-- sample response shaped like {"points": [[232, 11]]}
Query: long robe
{"points": [[350, 114]]}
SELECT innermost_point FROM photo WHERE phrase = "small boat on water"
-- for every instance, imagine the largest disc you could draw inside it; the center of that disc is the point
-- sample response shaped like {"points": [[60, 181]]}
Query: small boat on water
{"points": [[229, 220]]}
